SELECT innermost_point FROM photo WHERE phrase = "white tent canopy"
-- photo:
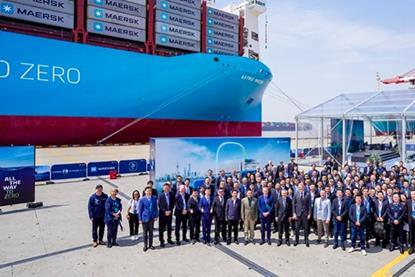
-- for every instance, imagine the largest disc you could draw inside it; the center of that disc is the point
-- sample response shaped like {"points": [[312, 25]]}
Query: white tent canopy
{"points": [[372, 106]]}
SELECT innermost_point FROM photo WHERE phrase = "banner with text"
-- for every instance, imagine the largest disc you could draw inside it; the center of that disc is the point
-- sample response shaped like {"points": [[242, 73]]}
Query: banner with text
{"points": [[17, 175]]}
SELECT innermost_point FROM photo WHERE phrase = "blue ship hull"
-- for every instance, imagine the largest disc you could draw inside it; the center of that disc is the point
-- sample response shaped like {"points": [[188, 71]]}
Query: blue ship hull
{"points": [[57, 92]]}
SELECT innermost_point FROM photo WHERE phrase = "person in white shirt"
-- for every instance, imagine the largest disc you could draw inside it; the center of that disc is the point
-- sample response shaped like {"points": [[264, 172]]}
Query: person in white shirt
{"points": [[322, 214], [132, 214]]}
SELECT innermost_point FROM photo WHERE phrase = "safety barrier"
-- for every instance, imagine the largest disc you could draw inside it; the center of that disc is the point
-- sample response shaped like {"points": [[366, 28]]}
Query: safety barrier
{"points": [[46, 173]]}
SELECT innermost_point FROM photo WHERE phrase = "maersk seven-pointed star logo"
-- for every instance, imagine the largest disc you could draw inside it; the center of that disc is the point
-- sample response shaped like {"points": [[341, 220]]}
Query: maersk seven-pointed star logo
{"points": [[163, 39], [98, 13], [164, 5], [7, 8], [98, 26], [164, 16]]}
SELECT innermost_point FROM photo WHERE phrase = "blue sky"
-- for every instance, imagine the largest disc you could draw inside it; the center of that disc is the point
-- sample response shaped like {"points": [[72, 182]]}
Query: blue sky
{"points": [[319, 49], [17, 156]]}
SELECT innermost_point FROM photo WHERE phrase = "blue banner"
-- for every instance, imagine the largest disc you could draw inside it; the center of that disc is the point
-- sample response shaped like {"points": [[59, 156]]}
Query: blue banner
{"points": [[102, 168], [42, 173], [17, 175], [68, 171], [133, 166]]}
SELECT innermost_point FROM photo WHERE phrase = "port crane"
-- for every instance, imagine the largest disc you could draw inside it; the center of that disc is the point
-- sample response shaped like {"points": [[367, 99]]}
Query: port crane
{"points": [[408, 77]]}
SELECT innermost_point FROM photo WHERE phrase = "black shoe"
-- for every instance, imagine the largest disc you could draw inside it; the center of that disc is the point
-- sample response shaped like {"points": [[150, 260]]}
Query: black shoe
{"points": [[170, 241], [204, 242], [109, 245], [411, 251], [262, 242], [335, 246], [326, 245], [295, 243], [384, 244], [216, 242], [145, 249], [401, 250], [343, 247], [391, 248], [228, 242], [246, 242], [101, 242], [288, 243], [193, 241], [237, 242], [152, 247], [269, 242], [162, 245], [367, 245], [274, 231], [307, 243], [279, 243], [115, 244], [178, 243], [318, 241]]}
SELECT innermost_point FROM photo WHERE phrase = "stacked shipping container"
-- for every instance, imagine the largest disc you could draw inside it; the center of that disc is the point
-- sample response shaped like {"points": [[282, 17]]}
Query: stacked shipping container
{"points": [[165, 27]]}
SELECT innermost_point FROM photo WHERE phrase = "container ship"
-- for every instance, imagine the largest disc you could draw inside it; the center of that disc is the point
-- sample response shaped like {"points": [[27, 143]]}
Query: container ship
{"points": [[115, 71]]}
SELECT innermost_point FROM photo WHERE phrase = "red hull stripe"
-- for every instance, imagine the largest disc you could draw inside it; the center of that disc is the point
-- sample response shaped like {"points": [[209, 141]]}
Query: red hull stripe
{"points": [[37, 130]]}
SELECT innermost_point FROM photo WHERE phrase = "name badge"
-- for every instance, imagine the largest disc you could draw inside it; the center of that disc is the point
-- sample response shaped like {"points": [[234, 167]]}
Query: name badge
{"points": [[395, 214]]}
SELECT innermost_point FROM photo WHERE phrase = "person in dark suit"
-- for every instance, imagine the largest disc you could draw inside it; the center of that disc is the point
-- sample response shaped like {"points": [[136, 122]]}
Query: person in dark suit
{"points": [[369, 205], [154, 191], [265, 207], [181, 214], [195, 216], [410, 208], [381, 216], [96, 211], [207, 212], [113, 209], [358, 217], [283, 216], [147, 215], [188, 189], [218, 207], [314, 194], [301, 213], [232, 216], [339, 212], [396, 212], [166, 202]]}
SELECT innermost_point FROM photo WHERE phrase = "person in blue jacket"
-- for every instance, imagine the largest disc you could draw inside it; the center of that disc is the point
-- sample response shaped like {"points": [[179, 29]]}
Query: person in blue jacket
{"points": [[358, 217], [207, 212], [265, 207], [147, 215], [113, 209], [96, 211]]}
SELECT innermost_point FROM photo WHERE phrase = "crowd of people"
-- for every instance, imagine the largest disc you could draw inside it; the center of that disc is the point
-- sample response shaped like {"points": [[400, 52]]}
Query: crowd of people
{"points": [[369, 203]]}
